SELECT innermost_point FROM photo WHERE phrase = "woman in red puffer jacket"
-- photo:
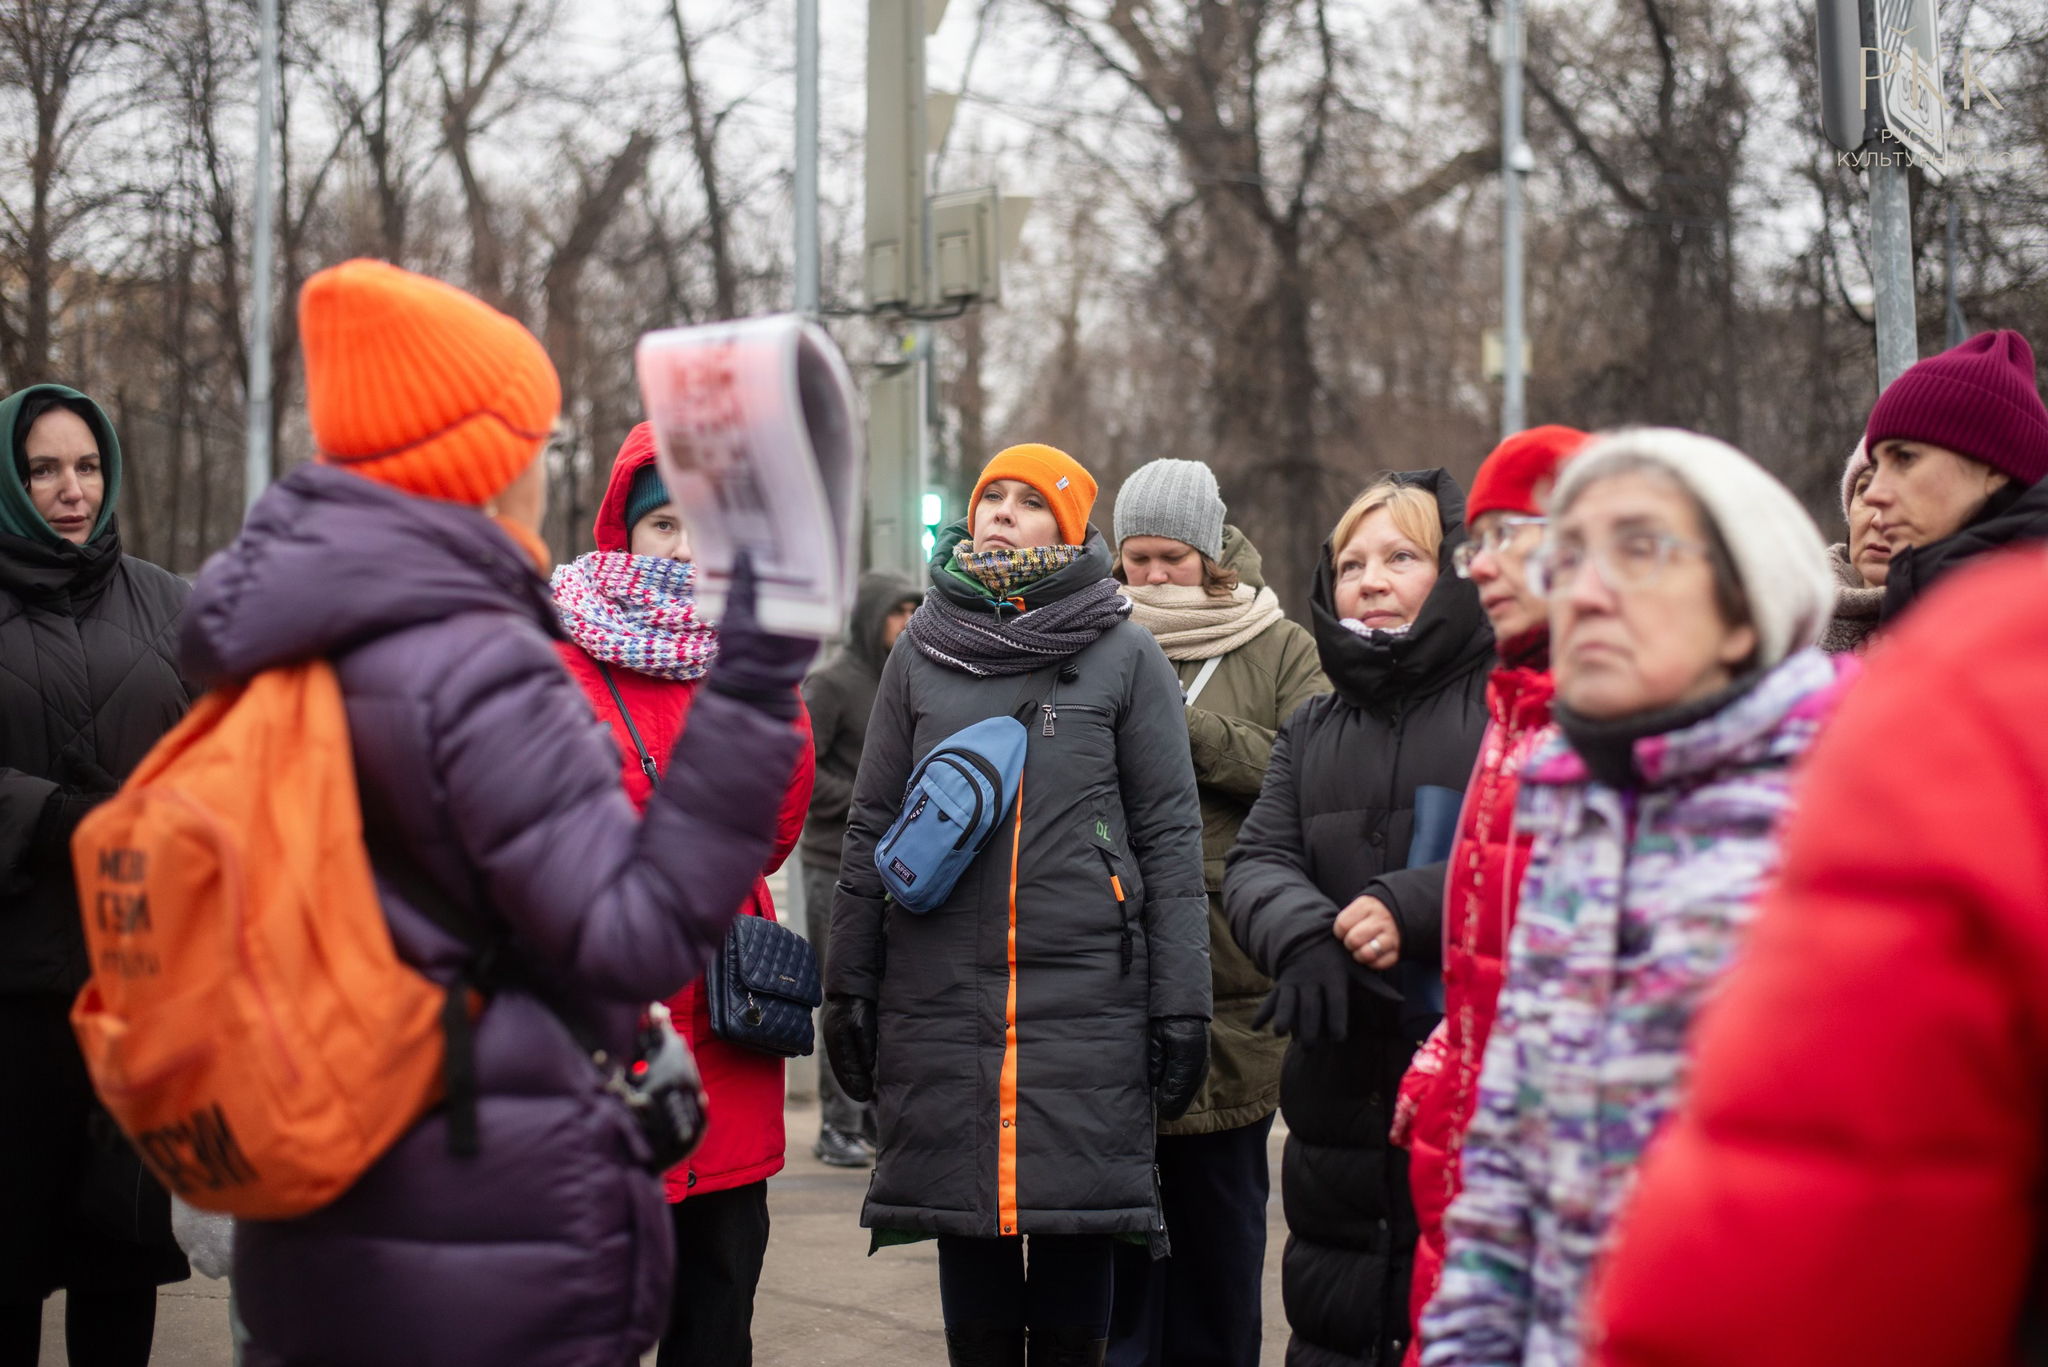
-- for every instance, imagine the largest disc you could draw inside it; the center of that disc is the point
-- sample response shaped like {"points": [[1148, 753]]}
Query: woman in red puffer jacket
{"points": [[1503, 517], [630, 611]]}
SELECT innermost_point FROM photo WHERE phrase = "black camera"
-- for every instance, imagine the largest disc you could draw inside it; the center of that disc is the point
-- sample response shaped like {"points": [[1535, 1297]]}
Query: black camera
{"points": [[664, 1091]]}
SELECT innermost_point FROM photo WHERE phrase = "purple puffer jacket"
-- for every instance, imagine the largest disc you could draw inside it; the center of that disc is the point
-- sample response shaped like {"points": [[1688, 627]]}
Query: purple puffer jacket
{"points": [[551, 1248]]}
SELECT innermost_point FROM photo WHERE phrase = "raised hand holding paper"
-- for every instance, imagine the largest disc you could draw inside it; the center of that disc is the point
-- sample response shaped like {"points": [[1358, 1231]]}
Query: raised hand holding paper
{"points": [[759, 442]]}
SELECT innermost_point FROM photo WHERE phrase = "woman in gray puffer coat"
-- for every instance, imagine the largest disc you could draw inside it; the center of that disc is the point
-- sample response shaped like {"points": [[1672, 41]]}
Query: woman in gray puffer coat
{"points": [[1022, 1039], [478, 758]]}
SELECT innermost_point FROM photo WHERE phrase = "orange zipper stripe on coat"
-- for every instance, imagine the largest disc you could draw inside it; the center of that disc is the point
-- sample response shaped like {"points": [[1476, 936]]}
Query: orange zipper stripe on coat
{"points": [[1006, 1132]]}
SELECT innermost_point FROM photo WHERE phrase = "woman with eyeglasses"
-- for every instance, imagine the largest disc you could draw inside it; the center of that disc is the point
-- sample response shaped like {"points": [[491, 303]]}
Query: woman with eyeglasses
{"points": [[1322, 892], [1687, 590], [1504, 523]]}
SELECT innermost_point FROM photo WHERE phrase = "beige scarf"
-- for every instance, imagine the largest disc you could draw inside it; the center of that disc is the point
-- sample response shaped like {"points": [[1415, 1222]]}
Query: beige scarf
{"points": [[1191, 625]]}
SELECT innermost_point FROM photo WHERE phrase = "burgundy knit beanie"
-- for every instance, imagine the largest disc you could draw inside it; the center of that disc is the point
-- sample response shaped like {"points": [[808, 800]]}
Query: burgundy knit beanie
{"points": [[1978, 399]]}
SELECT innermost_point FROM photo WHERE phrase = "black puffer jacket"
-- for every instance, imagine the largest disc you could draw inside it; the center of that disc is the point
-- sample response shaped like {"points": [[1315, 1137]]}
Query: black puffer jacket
{"points": [[1332, 823], [88, 683], [839, 696], [2014, 515], [1066, 1142]]}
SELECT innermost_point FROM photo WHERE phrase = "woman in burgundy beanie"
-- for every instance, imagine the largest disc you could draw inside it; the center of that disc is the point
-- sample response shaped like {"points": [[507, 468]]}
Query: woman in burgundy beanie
{"points": [[1957, 443]]}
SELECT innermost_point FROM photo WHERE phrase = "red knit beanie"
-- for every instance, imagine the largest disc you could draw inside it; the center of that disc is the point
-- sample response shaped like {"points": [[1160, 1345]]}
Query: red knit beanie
{"points": [[1520, 468], [1978, 399]]}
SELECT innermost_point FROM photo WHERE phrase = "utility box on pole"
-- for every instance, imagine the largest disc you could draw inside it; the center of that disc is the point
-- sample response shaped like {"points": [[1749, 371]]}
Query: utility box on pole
{"points": [[895, 482], [897, 144], [904, 121], [972, 231]]}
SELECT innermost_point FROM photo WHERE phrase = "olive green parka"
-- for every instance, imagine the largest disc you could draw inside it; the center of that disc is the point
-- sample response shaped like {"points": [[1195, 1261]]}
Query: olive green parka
{"points": [[1230, 729]]}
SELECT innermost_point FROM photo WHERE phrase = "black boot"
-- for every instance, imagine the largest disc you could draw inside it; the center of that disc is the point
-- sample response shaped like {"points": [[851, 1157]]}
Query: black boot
{"points": [[1068, 1345], [986, 1345], [838, 1149]]}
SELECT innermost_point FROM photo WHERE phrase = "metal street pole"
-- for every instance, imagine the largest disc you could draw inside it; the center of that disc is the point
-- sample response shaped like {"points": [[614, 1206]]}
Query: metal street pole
{"points": [[1958, 326], [1891, 263], [807, 262], [807, 158], [1513, 166], [257, 471]]}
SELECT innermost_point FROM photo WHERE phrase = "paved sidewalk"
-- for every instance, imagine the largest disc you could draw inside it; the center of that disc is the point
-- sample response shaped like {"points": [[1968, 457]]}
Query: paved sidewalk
{"points": [[823, 1301]]}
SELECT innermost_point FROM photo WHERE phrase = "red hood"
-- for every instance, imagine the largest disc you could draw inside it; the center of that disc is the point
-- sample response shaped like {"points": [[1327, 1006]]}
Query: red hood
{"points": [[610, 529]]}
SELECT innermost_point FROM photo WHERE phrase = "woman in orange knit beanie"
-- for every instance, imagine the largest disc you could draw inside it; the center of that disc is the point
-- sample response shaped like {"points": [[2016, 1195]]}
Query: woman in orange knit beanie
{"points": [[477, 762], [1019, 1039]]}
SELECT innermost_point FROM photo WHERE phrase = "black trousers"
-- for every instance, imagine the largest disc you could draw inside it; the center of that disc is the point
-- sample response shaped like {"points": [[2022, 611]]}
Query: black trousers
{"points": [[836, 1110], [103, 1327], [1201, 1307], [983, 1282], [77, 1209], [721, 1239]]}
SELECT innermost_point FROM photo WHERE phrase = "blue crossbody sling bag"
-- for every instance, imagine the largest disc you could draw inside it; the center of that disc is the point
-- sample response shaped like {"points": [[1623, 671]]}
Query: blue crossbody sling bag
{"points": [[957, 797]]}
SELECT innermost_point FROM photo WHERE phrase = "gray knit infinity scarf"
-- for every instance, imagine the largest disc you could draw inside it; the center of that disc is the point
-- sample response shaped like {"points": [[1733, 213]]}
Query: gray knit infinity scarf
{"points": [[976, 642]]}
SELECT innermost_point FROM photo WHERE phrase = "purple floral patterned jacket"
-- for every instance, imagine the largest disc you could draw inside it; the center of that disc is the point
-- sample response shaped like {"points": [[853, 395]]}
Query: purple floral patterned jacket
{"points": [[1633, 906]]}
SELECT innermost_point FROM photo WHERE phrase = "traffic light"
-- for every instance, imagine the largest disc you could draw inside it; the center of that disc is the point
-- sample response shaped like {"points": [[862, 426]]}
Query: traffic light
{"points": [[934, 518], [1842, 28]]}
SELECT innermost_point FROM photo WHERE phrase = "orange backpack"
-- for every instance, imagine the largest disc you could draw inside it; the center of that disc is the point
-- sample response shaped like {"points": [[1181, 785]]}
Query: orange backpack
{"points": [[248, 1022]]}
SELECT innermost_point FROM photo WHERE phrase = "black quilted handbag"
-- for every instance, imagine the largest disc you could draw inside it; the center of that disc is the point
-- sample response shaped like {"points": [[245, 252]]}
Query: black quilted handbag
{"points": [[763, 988], [763, 985]]}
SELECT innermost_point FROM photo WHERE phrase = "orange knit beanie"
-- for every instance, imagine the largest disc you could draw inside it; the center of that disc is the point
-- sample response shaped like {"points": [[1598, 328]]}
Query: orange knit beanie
{"points": [[414, 384], [1068, 488]]}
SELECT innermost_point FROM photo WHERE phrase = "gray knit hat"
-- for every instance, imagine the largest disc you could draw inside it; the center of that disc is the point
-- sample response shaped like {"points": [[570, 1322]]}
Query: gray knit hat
{"points": [[1177, 499]]}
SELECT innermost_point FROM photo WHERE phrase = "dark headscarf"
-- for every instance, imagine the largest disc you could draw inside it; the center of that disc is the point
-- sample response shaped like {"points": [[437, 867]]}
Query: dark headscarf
{"points": [[18, 515]]}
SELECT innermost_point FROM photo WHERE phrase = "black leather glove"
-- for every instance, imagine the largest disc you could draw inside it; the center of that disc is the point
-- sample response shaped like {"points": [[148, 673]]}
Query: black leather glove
{"points": [[754, 665], [1311, 996], [851, 1038], [1180, 1060]]}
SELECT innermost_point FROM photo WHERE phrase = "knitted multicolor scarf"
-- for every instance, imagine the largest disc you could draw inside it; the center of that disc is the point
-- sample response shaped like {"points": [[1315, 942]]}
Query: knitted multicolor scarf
{"points": [[638, 612], [1003, 571]]}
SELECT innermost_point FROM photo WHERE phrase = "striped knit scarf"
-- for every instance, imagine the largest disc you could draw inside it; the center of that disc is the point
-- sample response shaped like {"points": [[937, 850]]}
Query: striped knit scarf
{"points": [[638, 612], [980, 643]]}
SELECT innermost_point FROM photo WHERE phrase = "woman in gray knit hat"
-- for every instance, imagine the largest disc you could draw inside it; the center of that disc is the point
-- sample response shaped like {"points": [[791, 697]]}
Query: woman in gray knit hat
{"points": [[1195, 583]]}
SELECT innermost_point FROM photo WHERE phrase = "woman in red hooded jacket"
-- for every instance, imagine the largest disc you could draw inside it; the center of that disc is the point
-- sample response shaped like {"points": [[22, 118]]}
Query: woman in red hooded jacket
{"points": [[638, 648], [1504, 520]]}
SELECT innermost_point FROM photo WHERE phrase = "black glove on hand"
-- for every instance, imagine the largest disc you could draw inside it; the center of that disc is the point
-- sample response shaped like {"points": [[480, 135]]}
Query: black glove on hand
{"points": [[851, 1038], [1311, 996], [756, 666], [89, 786], [1180, 1060]]}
